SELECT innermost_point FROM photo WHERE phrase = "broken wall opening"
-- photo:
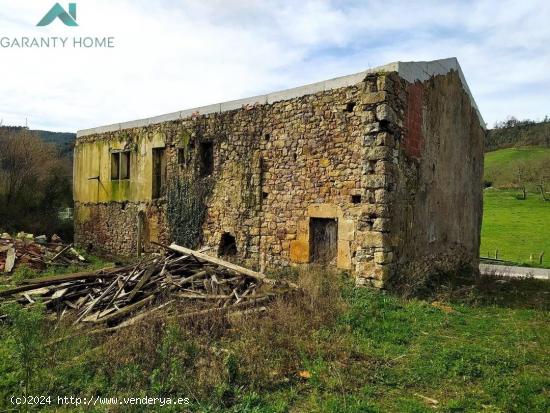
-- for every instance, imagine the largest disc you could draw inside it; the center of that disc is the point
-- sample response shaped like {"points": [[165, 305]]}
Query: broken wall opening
{"points": [[228, 245], [323, 240]]}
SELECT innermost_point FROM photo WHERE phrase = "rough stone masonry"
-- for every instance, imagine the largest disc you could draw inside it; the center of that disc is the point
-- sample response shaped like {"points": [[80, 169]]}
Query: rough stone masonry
{"points": [[376, 173]]}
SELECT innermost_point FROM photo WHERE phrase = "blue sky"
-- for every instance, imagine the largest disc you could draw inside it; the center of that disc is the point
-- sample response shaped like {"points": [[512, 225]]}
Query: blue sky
{"points": [[174, 54]]}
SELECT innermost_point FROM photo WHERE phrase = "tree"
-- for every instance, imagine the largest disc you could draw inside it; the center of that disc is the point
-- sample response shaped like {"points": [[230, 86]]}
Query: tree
{"points": [[541, 176], [35, 181], [523, 176]]}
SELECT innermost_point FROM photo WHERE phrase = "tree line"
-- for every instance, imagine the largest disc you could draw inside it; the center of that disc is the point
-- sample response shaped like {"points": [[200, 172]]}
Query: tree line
{"points": [[35, 184], [514, 132]]}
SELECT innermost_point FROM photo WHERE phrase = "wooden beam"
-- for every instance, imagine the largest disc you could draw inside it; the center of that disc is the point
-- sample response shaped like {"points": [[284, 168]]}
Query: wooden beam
{"points": [[230, 266]]}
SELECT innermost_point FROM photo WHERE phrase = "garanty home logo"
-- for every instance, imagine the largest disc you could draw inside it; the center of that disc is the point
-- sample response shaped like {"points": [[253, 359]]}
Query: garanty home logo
{"points": [[68, 17], [57, 11]]}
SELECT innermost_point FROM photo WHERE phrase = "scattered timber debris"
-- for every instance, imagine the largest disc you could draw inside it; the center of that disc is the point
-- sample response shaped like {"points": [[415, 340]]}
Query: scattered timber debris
{"points": [[118, 297], [35, 252]]}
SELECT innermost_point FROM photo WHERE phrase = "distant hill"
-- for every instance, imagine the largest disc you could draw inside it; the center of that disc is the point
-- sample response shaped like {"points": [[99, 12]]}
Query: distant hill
{"points": [[515, 133], [63, 140]]}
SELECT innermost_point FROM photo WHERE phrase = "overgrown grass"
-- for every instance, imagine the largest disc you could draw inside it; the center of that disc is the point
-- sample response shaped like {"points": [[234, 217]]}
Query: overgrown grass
{"points": [[519, 229], [331, 348]]}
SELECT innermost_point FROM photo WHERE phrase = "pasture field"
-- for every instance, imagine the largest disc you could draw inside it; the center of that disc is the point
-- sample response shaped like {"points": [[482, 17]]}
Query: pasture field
{"points": [[501, 165], [519, 229]]}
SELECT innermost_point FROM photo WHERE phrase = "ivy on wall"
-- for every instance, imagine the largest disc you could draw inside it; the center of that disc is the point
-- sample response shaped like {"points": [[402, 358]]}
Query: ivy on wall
{"points": [[186, 209]]}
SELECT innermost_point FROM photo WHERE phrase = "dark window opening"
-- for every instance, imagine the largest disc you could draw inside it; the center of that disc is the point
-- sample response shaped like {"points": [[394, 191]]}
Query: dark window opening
{"points": [[181, 156], [265, 195], [267, 136], [356, 199], [115, 166], [206, 158], [159, 173], [323, 239], [349, 107], [228, 246], [372, 166], [120, 165], [125, 165], [384, 124]]}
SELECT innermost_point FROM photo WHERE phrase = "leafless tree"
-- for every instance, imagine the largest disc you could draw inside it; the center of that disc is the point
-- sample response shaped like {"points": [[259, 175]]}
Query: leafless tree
{"points": [[522, 177], [33, 179]]}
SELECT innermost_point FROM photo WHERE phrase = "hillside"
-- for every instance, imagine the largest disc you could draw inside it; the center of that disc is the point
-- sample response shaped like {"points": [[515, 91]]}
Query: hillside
{"points": [[514, 132], [63, 140], [501, 165]]}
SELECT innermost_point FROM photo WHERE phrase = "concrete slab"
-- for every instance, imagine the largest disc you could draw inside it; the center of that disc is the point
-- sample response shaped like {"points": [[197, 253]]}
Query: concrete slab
{"points": [[517, 272]]}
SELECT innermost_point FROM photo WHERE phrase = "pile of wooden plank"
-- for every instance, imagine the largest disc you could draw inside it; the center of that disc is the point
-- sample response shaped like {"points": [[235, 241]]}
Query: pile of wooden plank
{"points": [[120, 296], [35, 253]]}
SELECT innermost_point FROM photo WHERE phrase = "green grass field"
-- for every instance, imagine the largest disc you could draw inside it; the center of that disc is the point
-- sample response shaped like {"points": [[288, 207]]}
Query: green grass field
{"points": [[500, 165], [496, 159], [519, 229], [334, 349]]}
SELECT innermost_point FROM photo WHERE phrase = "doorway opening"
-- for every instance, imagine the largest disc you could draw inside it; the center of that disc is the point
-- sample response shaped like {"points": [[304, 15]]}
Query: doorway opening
{"points": [[323, 239]]}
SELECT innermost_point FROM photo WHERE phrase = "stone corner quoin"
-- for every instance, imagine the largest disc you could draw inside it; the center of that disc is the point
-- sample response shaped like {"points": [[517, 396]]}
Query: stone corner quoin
{"points": [[376, 173]]}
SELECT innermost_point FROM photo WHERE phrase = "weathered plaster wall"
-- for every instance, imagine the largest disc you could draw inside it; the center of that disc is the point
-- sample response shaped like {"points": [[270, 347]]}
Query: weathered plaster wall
{"points": [[439, 193]]}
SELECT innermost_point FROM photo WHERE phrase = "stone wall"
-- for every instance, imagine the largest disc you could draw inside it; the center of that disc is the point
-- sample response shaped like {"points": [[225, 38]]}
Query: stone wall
{"points": [[360, 155], [114, 228]]}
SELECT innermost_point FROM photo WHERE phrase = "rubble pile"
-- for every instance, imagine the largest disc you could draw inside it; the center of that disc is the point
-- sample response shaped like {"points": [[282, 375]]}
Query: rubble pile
{"points": [[35, 252], [110, 296]]}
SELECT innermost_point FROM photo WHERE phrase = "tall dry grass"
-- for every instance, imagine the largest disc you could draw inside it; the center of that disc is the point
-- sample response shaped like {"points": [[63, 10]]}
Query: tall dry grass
{"points": [[213, 355]]}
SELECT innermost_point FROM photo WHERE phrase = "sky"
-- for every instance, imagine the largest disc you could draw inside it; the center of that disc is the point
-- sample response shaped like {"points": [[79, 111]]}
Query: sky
{"points": [[171, 55]]}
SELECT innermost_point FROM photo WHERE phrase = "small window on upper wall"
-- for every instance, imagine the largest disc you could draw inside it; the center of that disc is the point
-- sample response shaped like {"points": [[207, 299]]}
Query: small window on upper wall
{"points": [[159, 173], [125, 165], [120, 165], [115, 166]]}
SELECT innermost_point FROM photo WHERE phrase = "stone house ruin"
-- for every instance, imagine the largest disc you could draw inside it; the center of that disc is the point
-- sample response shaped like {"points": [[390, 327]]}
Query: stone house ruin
{"points": [[375, 173]]}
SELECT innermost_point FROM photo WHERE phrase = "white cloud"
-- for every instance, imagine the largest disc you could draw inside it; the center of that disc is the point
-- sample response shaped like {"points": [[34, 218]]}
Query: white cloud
{"points": [[171, 55]]}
